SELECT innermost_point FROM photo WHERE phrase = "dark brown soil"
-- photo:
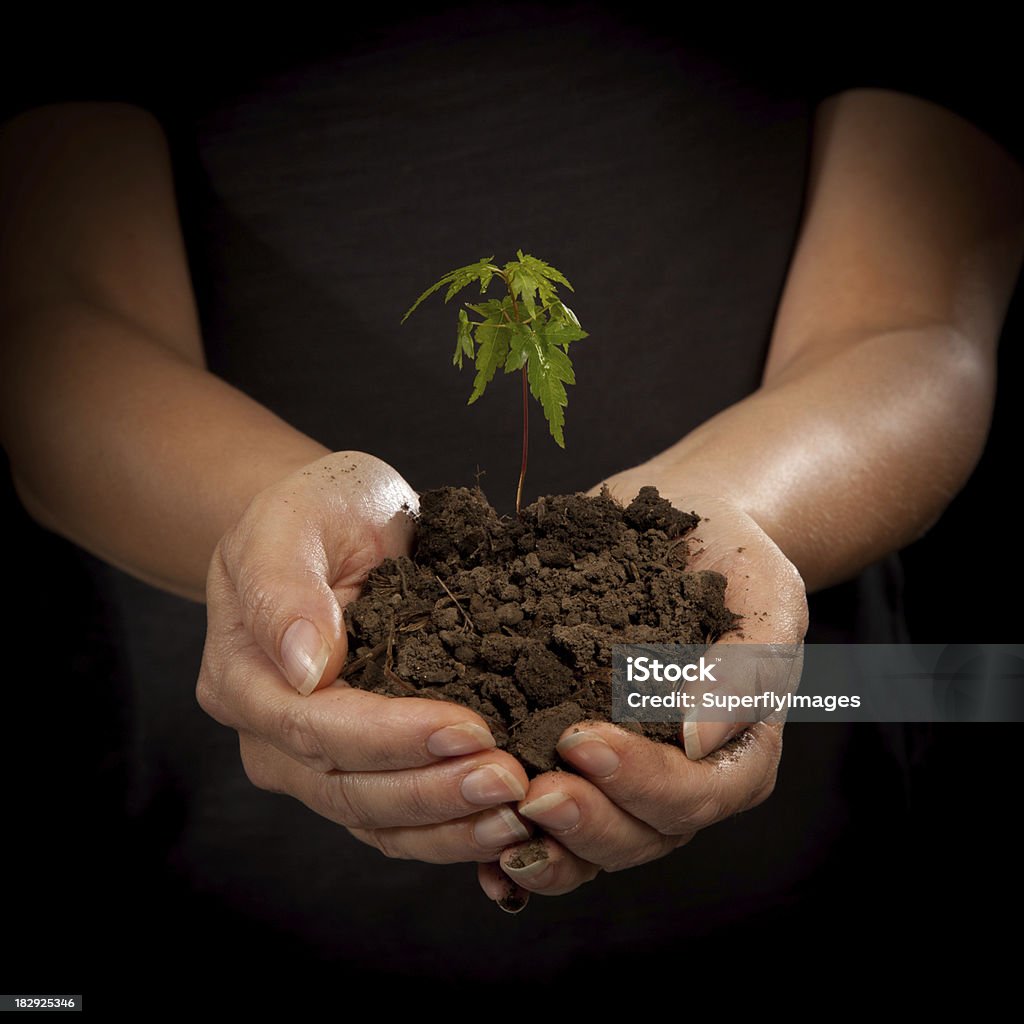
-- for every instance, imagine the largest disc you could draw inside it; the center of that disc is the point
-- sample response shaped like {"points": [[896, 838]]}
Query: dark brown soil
{"points": [[516, 618]]}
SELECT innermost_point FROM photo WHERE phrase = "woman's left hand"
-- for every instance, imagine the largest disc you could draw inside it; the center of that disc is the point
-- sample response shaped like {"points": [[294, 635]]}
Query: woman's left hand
{"points": [[634, 800]]}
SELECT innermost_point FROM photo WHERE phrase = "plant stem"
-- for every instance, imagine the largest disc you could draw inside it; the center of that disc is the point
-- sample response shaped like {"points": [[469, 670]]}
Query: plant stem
{"points": [[526, 442], [526, 406]]}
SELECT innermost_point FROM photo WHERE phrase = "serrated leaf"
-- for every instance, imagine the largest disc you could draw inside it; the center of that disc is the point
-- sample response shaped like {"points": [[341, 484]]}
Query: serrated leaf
{"points": [[492, 348], [492, 309], [519, 348], [466, 276], [456, 280], [545, 271], [522, 282], [561, 332], [548, 367], [560, 311], [528, 327], [529, 276], [542, 269], [464, 340]]}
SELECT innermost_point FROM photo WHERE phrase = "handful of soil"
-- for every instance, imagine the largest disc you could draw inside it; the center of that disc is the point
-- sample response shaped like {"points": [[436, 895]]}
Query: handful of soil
{"points": [[516, 618]]}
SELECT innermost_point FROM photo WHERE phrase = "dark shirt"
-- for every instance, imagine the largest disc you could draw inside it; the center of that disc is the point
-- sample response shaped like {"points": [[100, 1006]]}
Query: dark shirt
{"points": [[323, 184]]}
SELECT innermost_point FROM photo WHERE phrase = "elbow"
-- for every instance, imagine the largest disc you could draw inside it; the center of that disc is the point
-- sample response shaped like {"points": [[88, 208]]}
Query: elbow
{"points": [[953, 406]]}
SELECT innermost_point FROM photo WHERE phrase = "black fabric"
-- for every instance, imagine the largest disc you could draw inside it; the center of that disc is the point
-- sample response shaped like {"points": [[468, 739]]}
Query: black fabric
{"points": [[323, 183]]}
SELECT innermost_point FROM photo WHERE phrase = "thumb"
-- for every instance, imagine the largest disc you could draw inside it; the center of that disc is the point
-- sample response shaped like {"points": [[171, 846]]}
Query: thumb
{"points": [[282, 584], [300, 554], [306, 653]]}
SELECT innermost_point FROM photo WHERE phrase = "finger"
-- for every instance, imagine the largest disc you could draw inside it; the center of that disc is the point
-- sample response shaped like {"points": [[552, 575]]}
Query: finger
{"points": [[338, 727], [658, 784], [497, 886], [585, 822], [767, 592], [436, 793], [750, 683], [764, 587], [547, 868], [480, 837], [300, 553]]}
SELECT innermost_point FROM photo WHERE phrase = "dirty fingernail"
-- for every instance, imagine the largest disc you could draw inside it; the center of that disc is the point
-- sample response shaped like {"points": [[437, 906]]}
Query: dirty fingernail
{"points": [[553, 810], [498, 828], [527, 863], [491, 784], [514, 900], [701, 738], [304, 653], [590, 752], [502, 890], [464, 738]]}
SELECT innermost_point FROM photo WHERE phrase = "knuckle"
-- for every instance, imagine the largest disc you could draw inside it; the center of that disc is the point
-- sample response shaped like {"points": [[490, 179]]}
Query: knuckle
{"points": [[706, 809], [371, 837], [386, 842], [417, 800], [208, 697], [258, 771], [337, 799], [651, 788], [256, 592], [301, 737]]}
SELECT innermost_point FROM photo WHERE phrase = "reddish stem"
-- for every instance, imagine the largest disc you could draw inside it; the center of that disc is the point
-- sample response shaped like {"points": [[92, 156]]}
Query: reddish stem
{"points": [[526, 442]]}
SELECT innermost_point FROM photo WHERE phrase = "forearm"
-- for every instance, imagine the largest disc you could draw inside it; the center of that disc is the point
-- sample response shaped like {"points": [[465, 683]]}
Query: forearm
{"points": [[845, 459], [131, 450], [880, 379]]}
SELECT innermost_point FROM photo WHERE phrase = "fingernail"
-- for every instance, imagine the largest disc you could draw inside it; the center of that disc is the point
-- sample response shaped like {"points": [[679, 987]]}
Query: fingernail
{"points": [[514, 899], [304, 653], [491, 784], [591, 753], [465, 738], [553, 810], [498, 828], [701, 738], [527, 863], [501, 889]]}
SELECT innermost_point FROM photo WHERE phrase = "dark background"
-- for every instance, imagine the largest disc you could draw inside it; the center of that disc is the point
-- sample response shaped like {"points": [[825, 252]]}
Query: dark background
{"points": [[91, 901]]}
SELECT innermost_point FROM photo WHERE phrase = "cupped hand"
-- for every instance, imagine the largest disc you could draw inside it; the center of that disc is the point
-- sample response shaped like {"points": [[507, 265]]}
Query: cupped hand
{"points": [[417, 779], [634, 800]]}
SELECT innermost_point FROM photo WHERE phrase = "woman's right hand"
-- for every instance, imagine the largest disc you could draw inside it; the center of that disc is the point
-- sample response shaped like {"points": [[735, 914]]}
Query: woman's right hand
{"points": [[418, 779]]}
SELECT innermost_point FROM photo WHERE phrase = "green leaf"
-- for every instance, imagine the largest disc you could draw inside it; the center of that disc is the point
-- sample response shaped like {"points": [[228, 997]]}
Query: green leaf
{"points": [[529, 276], [542, 269], [464, 340], [492, 349], [548, 370], [559, 332], [457, 279], [558, 310], [519, 347], [492, 309], [528, 327]]}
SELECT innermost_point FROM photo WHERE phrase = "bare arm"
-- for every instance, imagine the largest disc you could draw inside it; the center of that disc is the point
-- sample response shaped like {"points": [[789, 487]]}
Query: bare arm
{"points": [[878, 391], [120, 440], [873, 410], [118, 437]]}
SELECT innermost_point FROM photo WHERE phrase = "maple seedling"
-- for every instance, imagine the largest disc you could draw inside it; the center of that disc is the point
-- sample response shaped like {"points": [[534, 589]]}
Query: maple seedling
{"points": [[528, 329]]}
